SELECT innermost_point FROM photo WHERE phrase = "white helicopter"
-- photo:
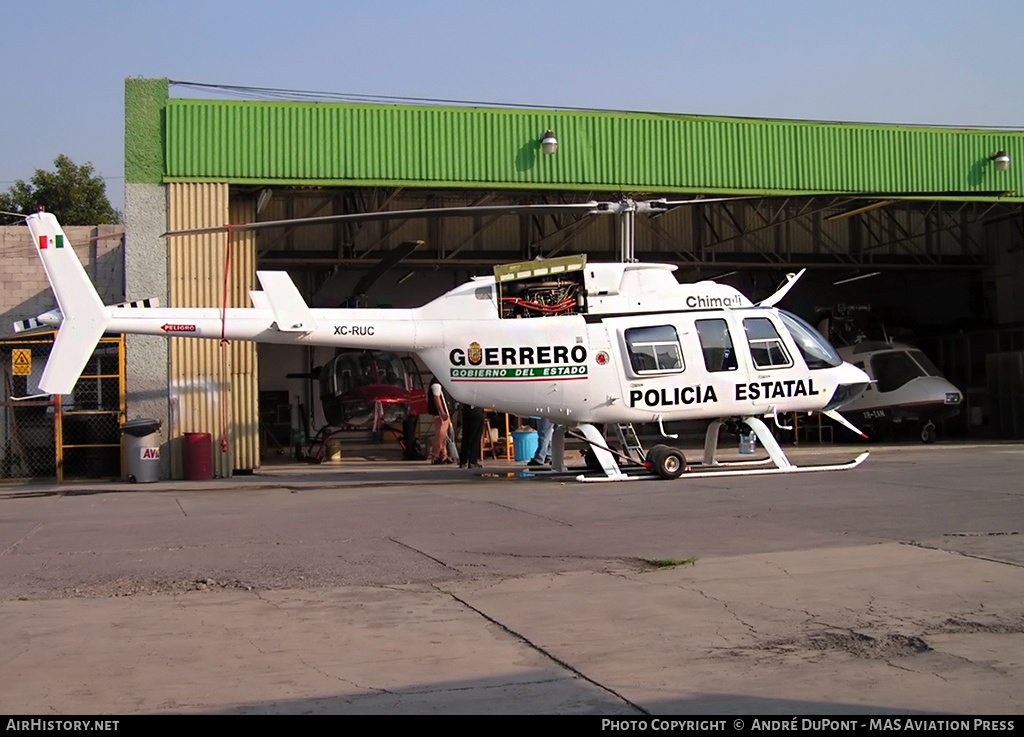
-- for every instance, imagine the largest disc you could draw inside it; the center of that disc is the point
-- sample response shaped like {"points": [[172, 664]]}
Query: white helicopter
{"points": [[906, 387], [579, 343]]}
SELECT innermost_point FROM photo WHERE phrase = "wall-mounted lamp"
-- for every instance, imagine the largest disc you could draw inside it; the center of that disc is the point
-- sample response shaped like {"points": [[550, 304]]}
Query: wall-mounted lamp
{"points": [[1001, 159], [263, 200], [549, 144]]}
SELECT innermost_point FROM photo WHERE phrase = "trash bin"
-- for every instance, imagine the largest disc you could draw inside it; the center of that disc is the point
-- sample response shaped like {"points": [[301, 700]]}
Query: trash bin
{"points": [[525, 443], [142, 450], [198, 456]]}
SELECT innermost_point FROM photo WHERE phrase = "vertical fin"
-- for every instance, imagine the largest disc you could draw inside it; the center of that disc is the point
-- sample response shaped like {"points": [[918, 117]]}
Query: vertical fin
{"points": [[291, 313], [85, 316]]}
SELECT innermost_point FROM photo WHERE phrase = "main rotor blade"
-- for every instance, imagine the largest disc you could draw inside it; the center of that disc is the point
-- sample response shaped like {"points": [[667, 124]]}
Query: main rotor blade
{"points": [[384, 265], [391, 215], [656, 204], [592, 207]]}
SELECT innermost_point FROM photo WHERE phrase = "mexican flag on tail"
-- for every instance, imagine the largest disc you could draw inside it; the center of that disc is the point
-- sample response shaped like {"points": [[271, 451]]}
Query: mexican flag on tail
{"points": [[54, 241]]}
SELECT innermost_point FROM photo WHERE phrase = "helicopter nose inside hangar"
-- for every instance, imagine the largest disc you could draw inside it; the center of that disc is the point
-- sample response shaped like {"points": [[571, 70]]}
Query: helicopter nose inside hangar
{"points": [[921, 227]]}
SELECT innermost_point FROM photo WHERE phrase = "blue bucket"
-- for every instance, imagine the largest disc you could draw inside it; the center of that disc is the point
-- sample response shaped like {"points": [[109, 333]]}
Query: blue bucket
{"points": [[525, 443]]}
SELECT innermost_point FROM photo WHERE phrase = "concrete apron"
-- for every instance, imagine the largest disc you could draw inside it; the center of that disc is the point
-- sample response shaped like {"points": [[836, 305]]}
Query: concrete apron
{"points": [[865, 629]]}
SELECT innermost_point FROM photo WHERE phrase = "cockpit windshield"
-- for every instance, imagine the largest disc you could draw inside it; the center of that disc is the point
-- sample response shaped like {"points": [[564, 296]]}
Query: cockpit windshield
{"points": [[893, 369], [817, 352], [926, 363]]}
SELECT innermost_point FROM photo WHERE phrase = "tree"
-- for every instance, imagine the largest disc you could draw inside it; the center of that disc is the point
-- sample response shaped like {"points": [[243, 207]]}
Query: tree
{"points": [[73, 193]]}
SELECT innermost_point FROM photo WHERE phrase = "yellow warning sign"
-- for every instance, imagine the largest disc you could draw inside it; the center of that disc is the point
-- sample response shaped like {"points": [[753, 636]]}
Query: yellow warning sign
{"points": [[21, 362]]}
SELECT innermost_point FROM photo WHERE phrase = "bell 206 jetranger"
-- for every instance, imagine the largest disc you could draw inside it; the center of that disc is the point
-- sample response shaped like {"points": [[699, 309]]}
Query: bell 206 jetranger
{"points": [[579, 343]]}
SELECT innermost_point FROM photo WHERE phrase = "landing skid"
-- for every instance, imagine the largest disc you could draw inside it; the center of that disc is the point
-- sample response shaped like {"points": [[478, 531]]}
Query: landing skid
{"points": [[777, 462], [729, 469]]}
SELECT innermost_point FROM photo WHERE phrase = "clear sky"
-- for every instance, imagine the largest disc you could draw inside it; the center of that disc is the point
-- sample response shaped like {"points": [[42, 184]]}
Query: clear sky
{"points": [[934, 62]]}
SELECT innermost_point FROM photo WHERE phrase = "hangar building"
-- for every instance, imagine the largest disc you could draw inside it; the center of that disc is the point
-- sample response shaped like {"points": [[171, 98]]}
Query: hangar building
{"points": [[929, 219]]}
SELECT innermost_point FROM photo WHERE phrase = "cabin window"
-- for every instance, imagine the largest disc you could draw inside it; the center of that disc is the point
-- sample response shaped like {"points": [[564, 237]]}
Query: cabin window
{"points": [[766, 346], [654, 350], [716, 343]]}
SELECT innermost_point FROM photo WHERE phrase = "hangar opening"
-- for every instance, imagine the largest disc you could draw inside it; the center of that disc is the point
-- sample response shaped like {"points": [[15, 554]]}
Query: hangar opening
{"points": [[906, 229], [915, 271]]}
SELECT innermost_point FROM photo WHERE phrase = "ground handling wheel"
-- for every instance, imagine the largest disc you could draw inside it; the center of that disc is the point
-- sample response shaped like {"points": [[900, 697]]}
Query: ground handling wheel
{"points": [[669, 463], [653, 454], [928, 433]]}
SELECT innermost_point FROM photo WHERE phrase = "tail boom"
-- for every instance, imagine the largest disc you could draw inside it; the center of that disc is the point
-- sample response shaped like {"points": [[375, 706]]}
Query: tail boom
{"points": [[280, 315], [395, 330]]}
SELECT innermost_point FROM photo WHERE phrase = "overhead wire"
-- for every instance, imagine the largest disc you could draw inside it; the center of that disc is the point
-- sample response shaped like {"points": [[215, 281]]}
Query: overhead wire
{"points": [[285, 94]]}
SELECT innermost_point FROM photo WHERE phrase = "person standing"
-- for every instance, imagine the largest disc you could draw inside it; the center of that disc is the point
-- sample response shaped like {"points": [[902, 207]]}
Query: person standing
{"points": [[542, 458], [410, 443], [438, 409], [472, 436]]}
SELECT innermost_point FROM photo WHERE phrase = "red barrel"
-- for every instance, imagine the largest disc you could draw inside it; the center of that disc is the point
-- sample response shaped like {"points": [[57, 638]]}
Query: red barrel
{"points": [[198, 456]]}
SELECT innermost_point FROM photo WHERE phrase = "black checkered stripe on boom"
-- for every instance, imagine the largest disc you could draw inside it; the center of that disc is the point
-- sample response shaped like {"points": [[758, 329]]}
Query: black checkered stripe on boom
{"points": [[33, 323]]}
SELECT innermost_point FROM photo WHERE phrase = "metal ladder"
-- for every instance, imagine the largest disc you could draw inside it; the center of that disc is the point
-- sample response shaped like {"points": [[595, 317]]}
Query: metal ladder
{"points": [[630, 442]]}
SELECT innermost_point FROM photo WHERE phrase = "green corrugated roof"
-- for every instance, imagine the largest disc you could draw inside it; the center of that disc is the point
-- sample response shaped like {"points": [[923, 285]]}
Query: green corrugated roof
{"points": [[357, 144]]}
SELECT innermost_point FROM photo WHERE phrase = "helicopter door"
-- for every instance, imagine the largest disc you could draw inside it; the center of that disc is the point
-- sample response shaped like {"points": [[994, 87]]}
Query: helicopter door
{"points": [[770, 358], [416, 385], [415, 382], [650, 364], [653, 350], [767, 349], [716, 345]]}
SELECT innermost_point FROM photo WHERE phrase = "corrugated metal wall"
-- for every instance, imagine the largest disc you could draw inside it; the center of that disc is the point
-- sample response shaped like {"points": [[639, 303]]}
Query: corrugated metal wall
{"points": [[213, 389], [249, 142]]}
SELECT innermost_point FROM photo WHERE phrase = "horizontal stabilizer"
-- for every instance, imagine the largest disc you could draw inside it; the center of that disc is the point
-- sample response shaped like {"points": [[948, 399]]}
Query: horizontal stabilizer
{"points": [[259, 300], [291, 313]]}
